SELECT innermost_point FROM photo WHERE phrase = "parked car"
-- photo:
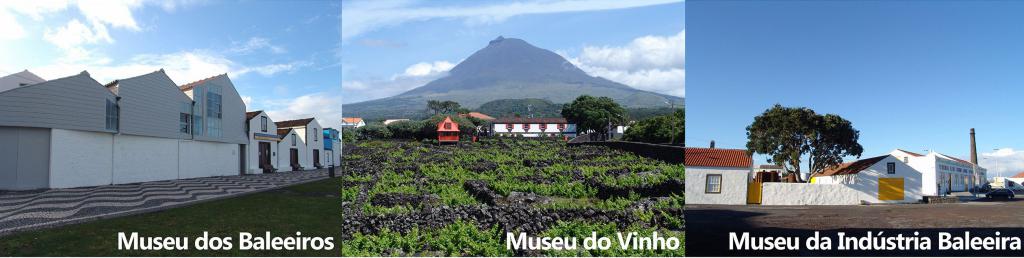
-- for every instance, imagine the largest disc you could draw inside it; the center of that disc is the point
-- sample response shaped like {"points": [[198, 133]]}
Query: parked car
{"points": [[1000, 193]]}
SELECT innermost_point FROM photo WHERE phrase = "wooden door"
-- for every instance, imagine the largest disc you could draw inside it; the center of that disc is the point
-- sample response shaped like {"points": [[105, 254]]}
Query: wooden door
{"points": [[264, 155], [754, 192], [294, 157]]}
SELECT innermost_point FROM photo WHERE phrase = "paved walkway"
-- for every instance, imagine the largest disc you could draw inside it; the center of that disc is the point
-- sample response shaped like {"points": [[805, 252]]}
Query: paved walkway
{"points": [[21, 211]]}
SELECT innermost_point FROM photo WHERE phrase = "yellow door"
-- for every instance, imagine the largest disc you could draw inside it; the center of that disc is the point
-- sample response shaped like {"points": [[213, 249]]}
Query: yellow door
{"points": [[754, 193], [890, 189]]}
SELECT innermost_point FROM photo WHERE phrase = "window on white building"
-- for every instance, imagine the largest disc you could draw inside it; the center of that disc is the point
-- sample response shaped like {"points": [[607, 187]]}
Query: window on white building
{"points": [[316, 137], [713, 184], [214, 115], [263, 123], [890, 168], [293, 140]]}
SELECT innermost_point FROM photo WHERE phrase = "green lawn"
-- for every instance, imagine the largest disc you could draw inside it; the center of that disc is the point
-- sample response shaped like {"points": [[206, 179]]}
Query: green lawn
{"points": [[312, 208]]}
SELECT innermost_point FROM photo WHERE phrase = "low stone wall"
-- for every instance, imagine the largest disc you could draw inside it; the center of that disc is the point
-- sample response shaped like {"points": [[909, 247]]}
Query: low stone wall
{"points": [[809, 194], [666, 153]]}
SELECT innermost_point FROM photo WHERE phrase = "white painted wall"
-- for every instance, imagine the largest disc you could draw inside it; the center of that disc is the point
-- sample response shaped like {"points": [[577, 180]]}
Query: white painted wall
{"points": [[734, 185], [206, 159], [284, 153], [142, 159], [807, 194], [79, 158]]}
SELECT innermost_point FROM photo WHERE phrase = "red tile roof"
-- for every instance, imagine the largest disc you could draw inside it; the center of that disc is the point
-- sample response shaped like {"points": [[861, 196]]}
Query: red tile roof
{"points": [[453, 128], [351, 120], [707, 157], [189, 86], [1018, 175], [851, 167], [527, 120], [294, 123], [478, 115]]}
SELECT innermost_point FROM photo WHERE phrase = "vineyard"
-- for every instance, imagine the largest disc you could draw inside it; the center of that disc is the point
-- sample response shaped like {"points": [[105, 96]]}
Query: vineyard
{"points": [[416, 198]]}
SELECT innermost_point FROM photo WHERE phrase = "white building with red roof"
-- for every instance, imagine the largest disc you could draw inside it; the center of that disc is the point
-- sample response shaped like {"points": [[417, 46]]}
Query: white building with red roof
{"points": [[717, 176], [882, 179], [941, 173]]}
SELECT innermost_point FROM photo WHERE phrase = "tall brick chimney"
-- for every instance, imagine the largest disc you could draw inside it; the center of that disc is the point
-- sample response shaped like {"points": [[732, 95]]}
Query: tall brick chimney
{"points": [[974, 149]]}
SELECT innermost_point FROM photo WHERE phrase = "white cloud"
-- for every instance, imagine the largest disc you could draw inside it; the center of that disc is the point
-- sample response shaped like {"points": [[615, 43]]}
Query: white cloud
{"points": [[415, 75], [116, 13], [183, 67], [365, 16], [72, 36], [326, 108], [652, 63], [1004, 161], [9, 27], [428, 69], [254, 44]]}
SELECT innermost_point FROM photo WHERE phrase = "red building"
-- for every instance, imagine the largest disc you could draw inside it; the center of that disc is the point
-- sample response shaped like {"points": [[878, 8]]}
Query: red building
{"points": [[447, 131]]}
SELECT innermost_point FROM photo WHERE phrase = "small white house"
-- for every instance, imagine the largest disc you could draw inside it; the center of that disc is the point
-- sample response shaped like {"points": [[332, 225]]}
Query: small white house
{"points": [[312, 135], [292, 149], [263, 140], [717, 176], [354, 122], [882, 179]]}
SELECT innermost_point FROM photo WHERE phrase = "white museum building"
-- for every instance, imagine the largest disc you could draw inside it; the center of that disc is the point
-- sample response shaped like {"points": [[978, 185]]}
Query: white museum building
{"points": [[717, 176]]}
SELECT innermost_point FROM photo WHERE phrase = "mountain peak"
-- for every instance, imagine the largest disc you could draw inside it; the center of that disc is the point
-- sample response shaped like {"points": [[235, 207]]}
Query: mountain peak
{"points": [[497, 40]]}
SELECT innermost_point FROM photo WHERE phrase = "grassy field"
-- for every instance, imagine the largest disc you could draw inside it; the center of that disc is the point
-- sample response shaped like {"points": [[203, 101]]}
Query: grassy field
{"points": [[311, 208], [416, 198]]}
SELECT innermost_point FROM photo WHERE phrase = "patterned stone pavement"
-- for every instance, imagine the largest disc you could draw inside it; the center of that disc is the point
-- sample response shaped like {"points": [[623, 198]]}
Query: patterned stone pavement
{"points": [[21, 211]]}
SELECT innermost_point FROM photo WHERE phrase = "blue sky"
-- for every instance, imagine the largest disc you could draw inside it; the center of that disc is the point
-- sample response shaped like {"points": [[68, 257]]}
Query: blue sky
{"points": [[909, 74], [389, 47], [283, 56]]}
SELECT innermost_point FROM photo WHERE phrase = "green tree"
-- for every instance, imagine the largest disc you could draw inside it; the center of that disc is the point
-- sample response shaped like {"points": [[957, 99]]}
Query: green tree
{"points": [[435, 106], [658, 129], [406, 129], [594, 113], [374, 131], [787, 134]]}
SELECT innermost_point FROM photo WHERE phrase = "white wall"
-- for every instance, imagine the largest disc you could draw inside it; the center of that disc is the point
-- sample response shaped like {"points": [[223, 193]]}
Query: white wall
{"points": [[206, 159], [284, 151], [314, 141], [142, 159], [807, 194], [734, 185], [80, 158]]}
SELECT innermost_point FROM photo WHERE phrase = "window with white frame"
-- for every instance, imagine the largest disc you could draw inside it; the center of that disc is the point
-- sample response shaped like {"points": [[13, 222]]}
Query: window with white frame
{"points": [[713, 184], [293, 140], [890, 168]]}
